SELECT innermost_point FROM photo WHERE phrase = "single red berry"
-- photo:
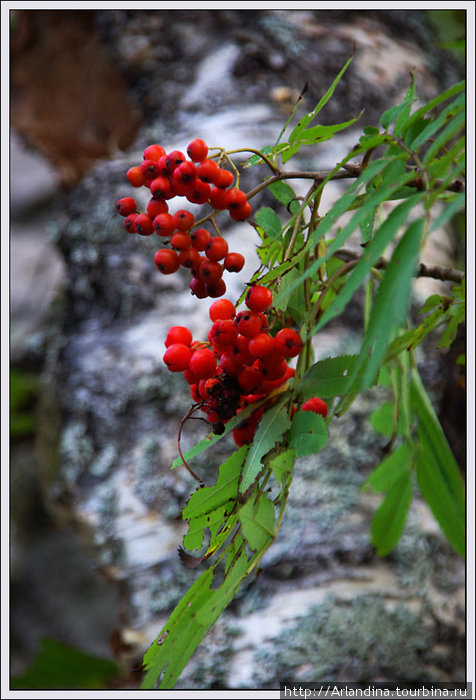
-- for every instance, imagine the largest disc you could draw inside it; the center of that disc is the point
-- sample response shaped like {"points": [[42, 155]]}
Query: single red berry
{"points": [[173, 160], [273, 368], [223, 334], [216, 249], [129, 223], [156, 207], [198, 288], [288, 343], [166, 261], [184, 174], [160, 188], [183, 220], [203, 363], [216, 289], [218, 198], [199, 192], [241, 213], [222, 310], [259, 298], [135, 176], [189, 258], [244, 434], [248, 323], [316, 405], [224, 179], [177, 357], [250, 379], [154, 152], [200, 238], [164, 225], [197, 150], [164, 168], [181, 241], [178, 334], [208, 171], [210, 271], [229, 363], [144, 225], [235, 198], [126, 206], [234, 262], [150, 169], [261, 345]]}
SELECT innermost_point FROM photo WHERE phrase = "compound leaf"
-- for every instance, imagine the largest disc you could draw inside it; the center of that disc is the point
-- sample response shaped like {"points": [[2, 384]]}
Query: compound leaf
{"points": [[308, 434]]}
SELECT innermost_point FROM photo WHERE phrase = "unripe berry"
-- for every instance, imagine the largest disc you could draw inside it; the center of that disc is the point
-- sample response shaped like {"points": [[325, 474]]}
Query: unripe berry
{"points": [[135, 176], [178, 334], [216, 249], [259, 298], [288, 343], [222, 310], [197, 150], [234, 262], [177, 357], [126, 206], [166, 261], [316, 405]]}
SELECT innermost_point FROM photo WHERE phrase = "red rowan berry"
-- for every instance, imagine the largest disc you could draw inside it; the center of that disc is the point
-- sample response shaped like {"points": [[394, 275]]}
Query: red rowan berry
{"points": [[316, 405], [164, 225], [210, 271], [197, 150], [234, 262], [189, 377], [216, 289], [144, 225], [250, 379], [223, 334], [273, 369], [183, 219], [184, 174], [178, 334], [156, 207], [181, 241], [288, 343], [229, 364], [135, 176], [203, 363], [129, 223], [242, 353], [208, 171], [189, 258], [261, 345], [150, 169], [154, 152], [259, 298], [235, 198], [126, 206], [244, 434], [166, 261], [199, 192], [216, 249], [173, 160], [200, 238], [218, 198], [177, 357], [241, 213], [224, 179], [248, 323], [222, 310], [198, 288], [164, 168], [161, 188]]}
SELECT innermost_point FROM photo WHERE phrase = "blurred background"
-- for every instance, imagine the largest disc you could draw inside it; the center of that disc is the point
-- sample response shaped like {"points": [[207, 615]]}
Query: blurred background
{"points": [[94, 529]]}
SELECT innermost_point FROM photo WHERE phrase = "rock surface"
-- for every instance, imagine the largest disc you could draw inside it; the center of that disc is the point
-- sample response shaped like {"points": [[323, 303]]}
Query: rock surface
{"points": [[324, 605]]}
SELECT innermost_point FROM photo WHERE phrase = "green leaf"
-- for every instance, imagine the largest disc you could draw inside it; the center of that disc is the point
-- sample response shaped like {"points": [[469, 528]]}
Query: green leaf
{"points": [[435, 102], [285, 194], [308, 434], [58, 666], [327, 378], [282, 465], [389, 521], [438, 475], [383, 420], [450, 112], [380, 241], [390, 306], [392, 469], [272, 425], [257, 522], [399, 112], [269, 221], [456, 124], [319, 133], [449, 334]]}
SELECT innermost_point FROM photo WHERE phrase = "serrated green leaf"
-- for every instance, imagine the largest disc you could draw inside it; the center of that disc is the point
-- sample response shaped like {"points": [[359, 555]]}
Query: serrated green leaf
{"points": [[269, 221], [308, 434], [257, 521], [282, 465], [327, 378], [390, 470], [272, 425], [390, 306], [283, 192], [438, 475], [380, 241], [389, 521]]}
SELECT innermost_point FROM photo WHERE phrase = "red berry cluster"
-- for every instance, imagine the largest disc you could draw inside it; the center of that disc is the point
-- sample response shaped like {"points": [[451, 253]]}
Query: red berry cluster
{"points": [[240, 364], [199, 179]]}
